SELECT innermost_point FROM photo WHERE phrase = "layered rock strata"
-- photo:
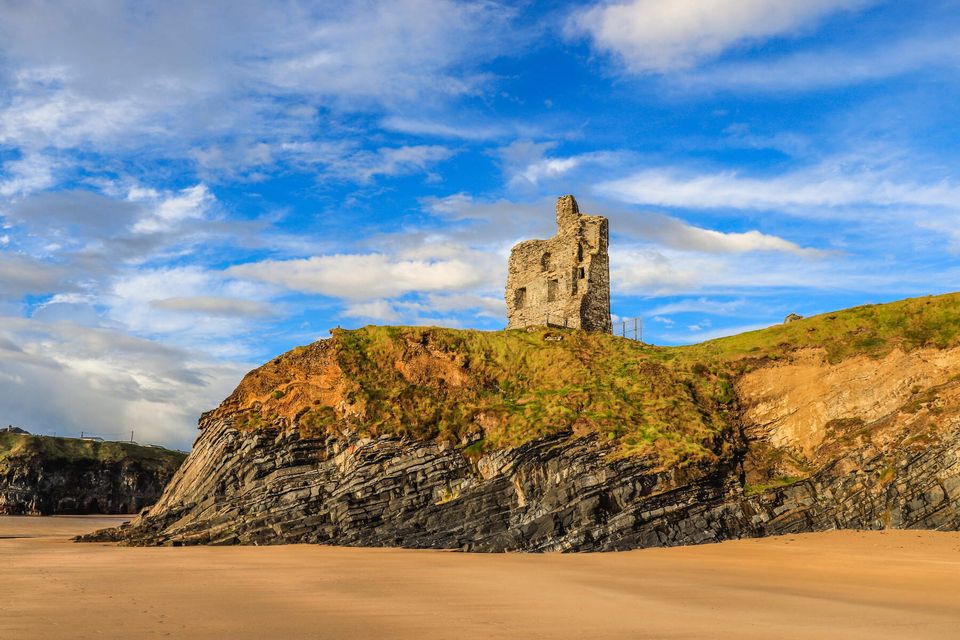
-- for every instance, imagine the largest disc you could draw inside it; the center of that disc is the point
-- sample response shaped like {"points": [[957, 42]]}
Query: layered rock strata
{"points": [[52, 476], [816, 445]]}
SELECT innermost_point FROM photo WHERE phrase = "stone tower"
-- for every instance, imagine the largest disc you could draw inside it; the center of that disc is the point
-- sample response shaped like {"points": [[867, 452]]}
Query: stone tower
{"points": [[563, 281]]}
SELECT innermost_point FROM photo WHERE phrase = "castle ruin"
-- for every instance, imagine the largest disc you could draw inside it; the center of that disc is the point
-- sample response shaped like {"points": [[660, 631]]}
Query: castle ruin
{"points": [[563, 281]]}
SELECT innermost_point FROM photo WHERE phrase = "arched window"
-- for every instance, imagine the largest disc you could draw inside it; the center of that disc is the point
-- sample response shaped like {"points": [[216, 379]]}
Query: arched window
{"points": [[545, 262]]}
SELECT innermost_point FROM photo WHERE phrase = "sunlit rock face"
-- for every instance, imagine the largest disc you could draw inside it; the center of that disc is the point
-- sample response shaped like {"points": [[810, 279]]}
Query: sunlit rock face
{"points": [[792, 440]]}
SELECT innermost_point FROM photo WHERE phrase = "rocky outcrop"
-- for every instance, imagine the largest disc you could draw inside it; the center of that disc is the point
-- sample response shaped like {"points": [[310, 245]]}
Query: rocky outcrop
{"points": [[41, 475], [557, 493], [810, 444]]}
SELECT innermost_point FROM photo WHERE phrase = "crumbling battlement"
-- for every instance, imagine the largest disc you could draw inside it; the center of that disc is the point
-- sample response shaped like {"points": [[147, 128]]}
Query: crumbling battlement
{"points": [[563, 281]]}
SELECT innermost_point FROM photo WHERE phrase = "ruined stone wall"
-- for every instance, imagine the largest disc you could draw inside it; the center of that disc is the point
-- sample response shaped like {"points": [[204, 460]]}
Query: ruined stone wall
{"points": [[563, 281]]}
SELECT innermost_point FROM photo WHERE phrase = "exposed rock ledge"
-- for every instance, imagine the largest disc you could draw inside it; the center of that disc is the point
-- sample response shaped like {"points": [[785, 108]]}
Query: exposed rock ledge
{"points": [[557, 493], [866, 459], [44, 475]]}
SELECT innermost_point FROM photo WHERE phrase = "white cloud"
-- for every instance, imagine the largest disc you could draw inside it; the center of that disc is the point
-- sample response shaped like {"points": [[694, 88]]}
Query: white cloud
{"points": [[671, 232], [170, 210], [656, 36], [698, 305], [527, 164], [368, 276], [213, 306], [825, 186], [393, 161], [378, 310], [818, 69], [434, 128], [104, 76], [70, 378], [488, 306], [657, 271], [31, 173], [393, 51], [187, 306]]}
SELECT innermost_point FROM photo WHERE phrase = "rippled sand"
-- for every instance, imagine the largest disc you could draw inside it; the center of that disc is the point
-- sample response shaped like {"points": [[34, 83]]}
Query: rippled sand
{"points": [[892, 584]]}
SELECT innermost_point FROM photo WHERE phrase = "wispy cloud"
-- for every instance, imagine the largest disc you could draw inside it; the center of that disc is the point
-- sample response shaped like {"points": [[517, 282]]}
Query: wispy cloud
{"points": [[528, 165], [213, 305], [803, 191], [104, 77], [833, 67]]}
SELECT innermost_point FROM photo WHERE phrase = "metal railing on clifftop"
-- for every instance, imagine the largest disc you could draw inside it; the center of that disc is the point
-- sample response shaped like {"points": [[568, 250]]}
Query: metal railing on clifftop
{"points": [[631, 328]]}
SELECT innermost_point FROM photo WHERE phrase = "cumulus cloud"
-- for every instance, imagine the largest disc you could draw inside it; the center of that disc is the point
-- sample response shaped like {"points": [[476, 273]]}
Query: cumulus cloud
{"points": [[671, 232], [654, 36], [434, 308], [365, 276], [65, 378], [482, 305]]}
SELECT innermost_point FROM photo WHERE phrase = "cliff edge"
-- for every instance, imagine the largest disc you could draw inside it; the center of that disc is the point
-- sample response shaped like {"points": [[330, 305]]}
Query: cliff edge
{"points": [[44, 475]]}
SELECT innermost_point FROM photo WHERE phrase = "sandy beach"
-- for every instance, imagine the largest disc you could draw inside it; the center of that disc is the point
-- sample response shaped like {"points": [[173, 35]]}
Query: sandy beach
{"points": [[891, 584]]}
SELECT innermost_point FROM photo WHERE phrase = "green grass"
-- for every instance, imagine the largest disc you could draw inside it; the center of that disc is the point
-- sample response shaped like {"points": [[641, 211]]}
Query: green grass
{"points": [[776, 483], [674, 402], [17, 445], [873, 330]]}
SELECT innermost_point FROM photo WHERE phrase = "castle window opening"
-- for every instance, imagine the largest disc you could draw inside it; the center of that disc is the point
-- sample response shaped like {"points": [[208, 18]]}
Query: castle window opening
{"points": [[583, 273], [545, 262], [552, 287], [579, 252], [520, 296]]}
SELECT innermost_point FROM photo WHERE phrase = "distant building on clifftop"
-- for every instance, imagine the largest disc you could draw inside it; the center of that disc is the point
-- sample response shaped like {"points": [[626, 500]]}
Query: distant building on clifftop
{"points": [[563, 281]]}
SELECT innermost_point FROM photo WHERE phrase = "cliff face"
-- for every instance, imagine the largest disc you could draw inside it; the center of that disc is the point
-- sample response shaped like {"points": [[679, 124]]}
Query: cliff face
{"points": [[787, 430], [41, 475]]}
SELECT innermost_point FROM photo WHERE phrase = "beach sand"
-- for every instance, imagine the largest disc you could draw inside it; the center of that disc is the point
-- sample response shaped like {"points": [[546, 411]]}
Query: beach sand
{"points": [[887, 584]]}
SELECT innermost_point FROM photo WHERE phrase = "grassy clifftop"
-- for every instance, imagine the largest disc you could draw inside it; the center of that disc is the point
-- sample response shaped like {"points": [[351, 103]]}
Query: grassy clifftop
{"points": [[16, 446], [512, 386], [872, 330]]}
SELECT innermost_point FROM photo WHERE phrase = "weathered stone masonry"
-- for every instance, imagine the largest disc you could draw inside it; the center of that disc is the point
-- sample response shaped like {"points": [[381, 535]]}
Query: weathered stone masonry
{"points": [[563, 281]]}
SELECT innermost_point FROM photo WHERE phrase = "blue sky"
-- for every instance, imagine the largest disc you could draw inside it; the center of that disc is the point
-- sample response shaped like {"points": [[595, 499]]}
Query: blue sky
{"points": [[187, 189]]}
